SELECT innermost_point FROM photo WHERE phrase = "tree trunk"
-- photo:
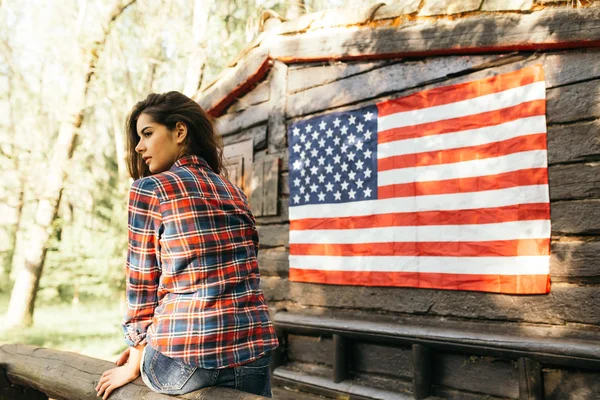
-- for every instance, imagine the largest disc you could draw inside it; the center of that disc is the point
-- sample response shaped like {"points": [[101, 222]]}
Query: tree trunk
{"points": [[22, 301], [197, 56]]}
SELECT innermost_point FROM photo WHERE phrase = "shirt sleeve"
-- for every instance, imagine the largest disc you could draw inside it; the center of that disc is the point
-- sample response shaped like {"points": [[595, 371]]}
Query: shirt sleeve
{"points": [[142, 266]]}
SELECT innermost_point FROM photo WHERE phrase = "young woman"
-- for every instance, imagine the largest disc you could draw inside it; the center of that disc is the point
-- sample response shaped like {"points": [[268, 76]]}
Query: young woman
{"points": [[196, 316]]}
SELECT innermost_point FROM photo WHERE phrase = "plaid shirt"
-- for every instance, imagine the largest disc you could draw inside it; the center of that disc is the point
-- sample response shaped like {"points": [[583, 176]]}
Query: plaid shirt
{"points": [[192, 275]]}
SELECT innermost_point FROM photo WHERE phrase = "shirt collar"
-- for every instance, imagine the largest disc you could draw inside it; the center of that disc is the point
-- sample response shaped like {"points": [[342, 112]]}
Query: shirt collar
{"points": [[191, 160]]}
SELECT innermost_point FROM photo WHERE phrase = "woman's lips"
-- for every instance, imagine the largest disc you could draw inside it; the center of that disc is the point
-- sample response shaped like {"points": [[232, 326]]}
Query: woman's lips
{"points": [[147, 160]]}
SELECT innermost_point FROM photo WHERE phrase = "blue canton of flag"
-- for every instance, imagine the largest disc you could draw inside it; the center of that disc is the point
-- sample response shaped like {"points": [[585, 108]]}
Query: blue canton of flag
{"points": [[333, 158]]}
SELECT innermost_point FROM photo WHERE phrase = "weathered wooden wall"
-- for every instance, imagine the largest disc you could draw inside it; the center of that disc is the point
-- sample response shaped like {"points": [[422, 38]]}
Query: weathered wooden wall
{"points": [[294, 88], [573, 118]]}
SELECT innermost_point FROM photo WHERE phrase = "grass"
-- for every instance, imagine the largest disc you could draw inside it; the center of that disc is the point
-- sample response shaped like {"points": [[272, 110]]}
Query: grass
{"points": [[91, 328]]}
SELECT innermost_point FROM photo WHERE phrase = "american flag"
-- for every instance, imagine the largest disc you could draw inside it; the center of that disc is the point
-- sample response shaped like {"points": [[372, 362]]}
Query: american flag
{"points": [[445, 188]]}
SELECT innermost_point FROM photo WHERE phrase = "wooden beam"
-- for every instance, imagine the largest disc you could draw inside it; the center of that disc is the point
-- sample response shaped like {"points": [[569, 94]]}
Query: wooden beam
{"points": [[341, 359], [63, 375], [500, 343], [276, 131], [548, 29], [235, 82], [422, 371], [531, 386]]}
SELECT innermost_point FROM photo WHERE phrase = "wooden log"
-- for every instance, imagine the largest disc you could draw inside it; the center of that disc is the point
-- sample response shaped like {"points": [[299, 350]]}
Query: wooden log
{"points": [[541, 30], [8, 391], [574, 142], [580, 217], [277, 139], [300, 79], [574, 181], [393, 78], [252, 116], [256, 95], [274, 262], [274, 288], [258, 134], [553, 308], [274, 235], [382, 359], [531, 386], [575, 261], [574, 102], [235, 81], [69, 376]]}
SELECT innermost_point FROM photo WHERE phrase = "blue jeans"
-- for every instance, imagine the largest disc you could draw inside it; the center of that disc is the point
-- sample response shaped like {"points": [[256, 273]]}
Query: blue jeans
{"points": [[166, 375]]}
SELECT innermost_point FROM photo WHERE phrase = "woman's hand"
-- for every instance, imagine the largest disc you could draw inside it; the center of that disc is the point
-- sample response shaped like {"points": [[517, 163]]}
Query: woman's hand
{"points": [[128, 370], [115, 378]]}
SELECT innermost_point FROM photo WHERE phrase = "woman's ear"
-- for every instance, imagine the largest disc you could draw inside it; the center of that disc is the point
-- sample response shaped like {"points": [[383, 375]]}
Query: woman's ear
{"points": [[180, 133]]}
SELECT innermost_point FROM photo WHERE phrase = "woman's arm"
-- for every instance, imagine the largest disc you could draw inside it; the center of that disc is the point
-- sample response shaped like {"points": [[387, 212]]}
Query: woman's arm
{"points": [[142, 267]]}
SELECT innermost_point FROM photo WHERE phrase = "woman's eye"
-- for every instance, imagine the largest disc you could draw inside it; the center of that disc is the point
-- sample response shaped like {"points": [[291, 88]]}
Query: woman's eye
{"points": [[147, 134]]}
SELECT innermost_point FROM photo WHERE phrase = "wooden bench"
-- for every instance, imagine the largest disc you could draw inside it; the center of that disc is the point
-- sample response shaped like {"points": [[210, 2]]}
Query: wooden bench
{"points": [[36, 373]]}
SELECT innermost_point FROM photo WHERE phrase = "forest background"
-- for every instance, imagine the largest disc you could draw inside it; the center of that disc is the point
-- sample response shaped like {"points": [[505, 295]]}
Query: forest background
{"points": [[70, 71]]}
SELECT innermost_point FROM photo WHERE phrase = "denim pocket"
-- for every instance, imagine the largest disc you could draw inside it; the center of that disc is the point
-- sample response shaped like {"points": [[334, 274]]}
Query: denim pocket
{"points": [[166, 373], [254, 377]]}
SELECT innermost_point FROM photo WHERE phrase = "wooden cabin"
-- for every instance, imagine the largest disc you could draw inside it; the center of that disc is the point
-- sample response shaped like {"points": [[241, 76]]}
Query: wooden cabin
{"points": [[370, 342]]}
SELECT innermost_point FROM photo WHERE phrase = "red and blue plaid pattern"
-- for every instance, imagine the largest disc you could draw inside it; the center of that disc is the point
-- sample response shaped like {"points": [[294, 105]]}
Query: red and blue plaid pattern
{"points": [[192, 274]]}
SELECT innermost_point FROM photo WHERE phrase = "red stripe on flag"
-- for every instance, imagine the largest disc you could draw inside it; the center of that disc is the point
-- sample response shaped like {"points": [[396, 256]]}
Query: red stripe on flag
{"points": [[523, 177], [462, 91], [509, 284], [496, 248], [495, 149], [481, 120], [517, 212]]}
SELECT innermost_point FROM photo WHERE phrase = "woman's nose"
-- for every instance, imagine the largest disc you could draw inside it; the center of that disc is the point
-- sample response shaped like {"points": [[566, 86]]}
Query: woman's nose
{"points": [[139, 147]]}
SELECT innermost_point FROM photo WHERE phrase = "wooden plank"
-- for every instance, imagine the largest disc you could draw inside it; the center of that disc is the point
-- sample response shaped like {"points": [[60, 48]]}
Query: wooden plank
{"points": [[258, 95], [258, 134], [270, 186], [346, 17], [579, 217], [566, 67], [235, 82], [383, 359], [485, 375], [282, 216], [274, 262], [310, 349], [277, 139], [245, 150], [570, 384], [546, 29], [250, 117], [574, 181], [574, 142], [300, 79], [531, 386], [575, 261], [397, 9], [256, 188], [369, 85], [574, 102], [553, 308], [422, 371]]}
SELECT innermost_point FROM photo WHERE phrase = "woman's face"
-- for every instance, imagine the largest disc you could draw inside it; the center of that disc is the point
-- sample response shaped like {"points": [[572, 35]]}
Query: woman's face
{"points": [[159, 146]]}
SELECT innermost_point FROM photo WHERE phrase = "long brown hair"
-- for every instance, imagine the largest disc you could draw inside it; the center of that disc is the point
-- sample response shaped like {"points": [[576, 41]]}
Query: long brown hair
{"points": [[168, 109]]}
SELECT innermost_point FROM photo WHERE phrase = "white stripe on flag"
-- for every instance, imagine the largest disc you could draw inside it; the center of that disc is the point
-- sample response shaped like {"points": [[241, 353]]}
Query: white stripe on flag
{"points": [[535, 229], [521, 265], [454, 201], [471, 137], [477, 105], [465, 169]]}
